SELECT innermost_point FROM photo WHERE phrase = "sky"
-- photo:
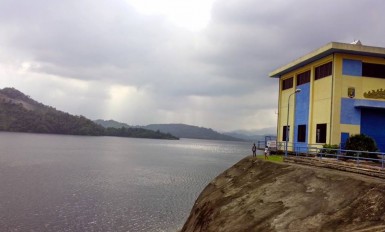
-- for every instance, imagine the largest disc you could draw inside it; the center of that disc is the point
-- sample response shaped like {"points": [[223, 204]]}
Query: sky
{"points": [[197, 62]]}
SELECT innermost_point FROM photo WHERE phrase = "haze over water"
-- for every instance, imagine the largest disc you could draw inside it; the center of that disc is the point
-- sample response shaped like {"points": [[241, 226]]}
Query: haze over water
{"points": [[81, 183]]}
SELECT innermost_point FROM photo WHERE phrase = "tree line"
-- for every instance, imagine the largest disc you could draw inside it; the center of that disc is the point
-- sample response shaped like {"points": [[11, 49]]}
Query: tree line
{"points": [[16, 118]]}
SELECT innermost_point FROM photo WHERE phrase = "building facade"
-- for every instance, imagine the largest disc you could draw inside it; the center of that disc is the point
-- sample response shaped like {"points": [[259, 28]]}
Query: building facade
{"points": [[342, 93]]}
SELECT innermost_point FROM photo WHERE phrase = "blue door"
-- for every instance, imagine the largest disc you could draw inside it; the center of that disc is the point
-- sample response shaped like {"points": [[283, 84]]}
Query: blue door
{"points": [[344, 137], [373, 125]]}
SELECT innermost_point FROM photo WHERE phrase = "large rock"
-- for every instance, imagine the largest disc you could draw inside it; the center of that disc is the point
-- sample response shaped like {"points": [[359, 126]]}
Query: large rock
{"points": [[256, 195]]}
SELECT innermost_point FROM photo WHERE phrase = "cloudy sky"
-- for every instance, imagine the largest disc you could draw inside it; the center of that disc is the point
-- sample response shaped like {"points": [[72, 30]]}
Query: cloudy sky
{"points": [[199, 62]]}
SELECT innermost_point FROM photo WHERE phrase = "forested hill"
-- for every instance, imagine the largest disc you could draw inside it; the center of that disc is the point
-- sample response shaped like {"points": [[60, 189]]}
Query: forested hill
{"points": [[193, 132], [111, 123], [20, 113]]}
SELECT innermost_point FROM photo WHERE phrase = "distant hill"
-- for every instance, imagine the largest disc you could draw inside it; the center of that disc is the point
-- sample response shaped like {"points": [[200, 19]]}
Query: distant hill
{"points": [[111, 123], [252, 138], [253, 135], [193, 132], [20, 113], [189, 131]]}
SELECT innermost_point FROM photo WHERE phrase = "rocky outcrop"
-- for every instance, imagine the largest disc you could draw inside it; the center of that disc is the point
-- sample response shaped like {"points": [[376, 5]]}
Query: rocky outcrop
{"points": [[256, 195]]}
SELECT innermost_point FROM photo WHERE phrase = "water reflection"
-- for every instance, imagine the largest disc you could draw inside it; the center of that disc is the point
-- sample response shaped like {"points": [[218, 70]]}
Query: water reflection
{"points": [[74, 183]]}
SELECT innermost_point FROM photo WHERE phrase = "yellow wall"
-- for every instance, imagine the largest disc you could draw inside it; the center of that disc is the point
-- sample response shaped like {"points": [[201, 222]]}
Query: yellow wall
{"points": [[335, 127], [361, 84], [321, 107], [320, 98], [341, 85], [325, 97], [282, 119]]}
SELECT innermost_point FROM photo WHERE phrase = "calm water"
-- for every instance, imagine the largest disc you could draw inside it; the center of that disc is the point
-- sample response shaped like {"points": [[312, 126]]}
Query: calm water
{"points": [[76, 183]]}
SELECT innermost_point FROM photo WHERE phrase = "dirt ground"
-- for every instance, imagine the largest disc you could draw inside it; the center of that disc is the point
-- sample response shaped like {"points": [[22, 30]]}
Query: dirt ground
{"points": [[257, 195]]}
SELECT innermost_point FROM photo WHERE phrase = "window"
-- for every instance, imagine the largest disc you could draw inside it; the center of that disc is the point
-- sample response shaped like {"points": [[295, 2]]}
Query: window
{"points": [[373, 70], [321, 133], [284, 133], [303, 78], [301, 137], [287, 84], [323, 71]]}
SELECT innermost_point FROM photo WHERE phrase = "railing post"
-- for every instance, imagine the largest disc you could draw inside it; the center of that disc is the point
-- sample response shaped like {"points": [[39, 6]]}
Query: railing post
{"points": [[338, 152]]}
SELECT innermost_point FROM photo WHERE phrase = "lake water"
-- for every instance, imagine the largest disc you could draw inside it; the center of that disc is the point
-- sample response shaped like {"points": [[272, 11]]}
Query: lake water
{"points": [[82, 183]]}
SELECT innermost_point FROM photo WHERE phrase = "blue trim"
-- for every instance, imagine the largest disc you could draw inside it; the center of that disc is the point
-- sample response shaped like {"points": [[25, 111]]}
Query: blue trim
{"points": [[369, 104], [349, 113], [301, 116], [352, 67], [301, 147], [344, 137], [373, 125]]}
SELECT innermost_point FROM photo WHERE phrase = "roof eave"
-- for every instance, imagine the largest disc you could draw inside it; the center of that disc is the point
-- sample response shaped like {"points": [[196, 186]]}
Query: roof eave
{"points": [[328, 49]]}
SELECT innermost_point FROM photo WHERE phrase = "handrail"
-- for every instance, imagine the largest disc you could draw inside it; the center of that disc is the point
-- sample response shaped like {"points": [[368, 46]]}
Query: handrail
{"points": [[301, 149]]}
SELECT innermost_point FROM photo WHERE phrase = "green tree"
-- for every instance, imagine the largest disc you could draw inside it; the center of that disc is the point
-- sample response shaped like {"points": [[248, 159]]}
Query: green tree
{"points": [[361, 142]]}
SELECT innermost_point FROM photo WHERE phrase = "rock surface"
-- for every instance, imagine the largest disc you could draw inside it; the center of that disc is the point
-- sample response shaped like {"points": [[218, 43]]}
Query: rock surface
{"points": [[255, 195]]}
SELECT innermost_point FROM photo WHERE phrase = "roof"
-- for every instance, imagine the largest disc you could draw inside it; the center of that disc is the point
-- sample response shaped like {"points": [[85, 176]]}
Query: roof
{"points": [[328, 49]]}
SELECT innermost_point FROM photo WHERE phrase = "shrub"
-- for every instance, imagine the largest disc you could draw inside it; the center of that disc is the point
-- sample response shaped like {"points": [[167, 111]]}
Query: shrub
{"points": [[361, 142], [330, 148]]}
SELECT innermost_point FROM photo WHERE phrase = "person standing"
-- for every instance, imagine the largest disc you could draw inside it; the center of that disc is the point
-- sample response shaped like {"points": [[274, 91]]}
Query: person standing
{"points": [[267, 152], [254, 149]]}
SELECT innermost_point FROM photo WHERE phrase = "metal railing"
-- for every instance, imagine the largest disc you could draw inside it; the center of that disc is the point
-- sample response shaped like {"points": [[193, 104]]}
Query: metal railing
{"points": [[358, 156], [313, 150]]}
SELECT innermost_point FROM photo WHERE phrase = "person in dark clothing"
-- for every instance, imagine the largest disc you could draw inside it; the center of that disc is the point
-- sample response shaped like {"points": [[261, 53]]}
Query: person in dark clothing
{"points": [[254, 149]]}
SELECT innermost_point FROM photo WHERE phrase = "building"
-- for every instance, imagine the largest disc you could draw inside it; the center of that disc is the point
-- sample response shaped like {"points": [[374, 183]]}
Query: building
{"points": [[342, 93]]}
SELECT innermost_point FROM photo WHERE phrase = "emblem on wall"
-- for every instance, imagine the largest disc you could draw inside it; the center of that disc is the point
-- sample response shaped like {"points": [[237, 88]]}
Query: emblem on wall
{"points": [[351, 92], [376, 94]]}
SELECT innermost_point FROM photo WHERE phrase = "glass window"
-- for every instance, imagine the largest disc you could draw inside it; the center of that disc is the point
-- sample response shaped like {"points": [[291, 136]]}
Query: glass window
{"points": [[303, 78], [284, 133], [373, 70], [323, 71], [301, 137], [287, 83], [321, 133]]}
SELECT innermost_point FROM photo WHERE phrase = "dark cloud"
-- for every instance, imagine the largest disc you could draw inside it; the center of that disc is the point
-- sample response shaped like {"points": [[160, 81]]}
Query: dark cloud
{"points": [[142, 69], [85, 34]]}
